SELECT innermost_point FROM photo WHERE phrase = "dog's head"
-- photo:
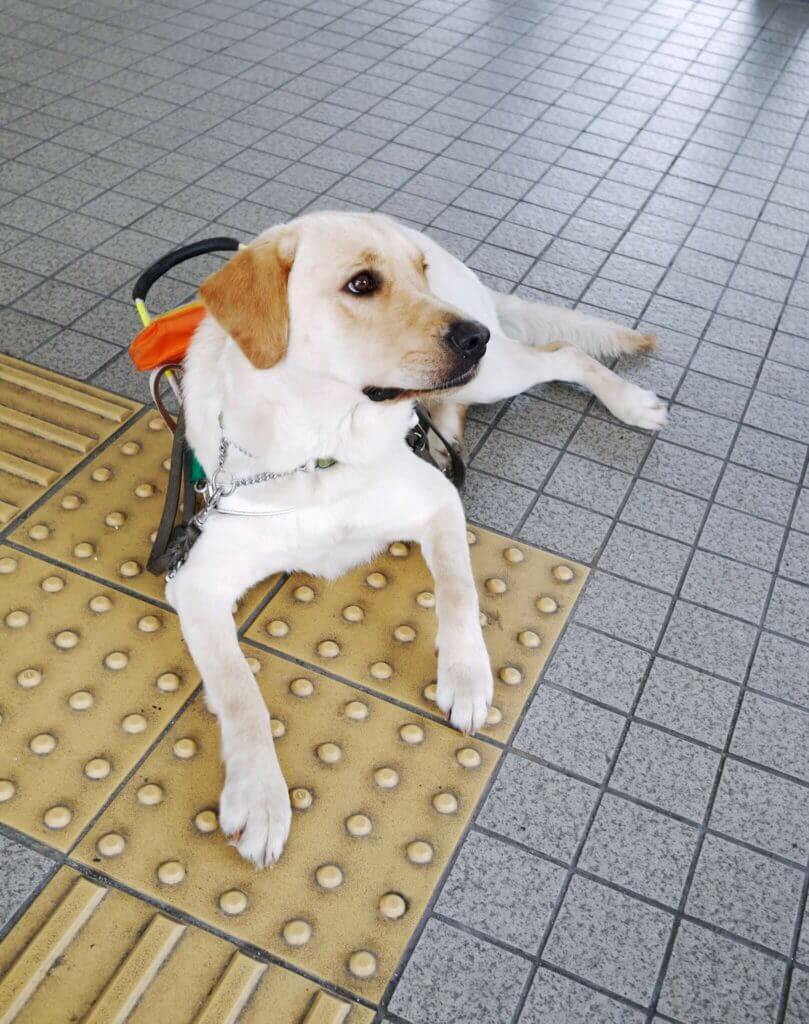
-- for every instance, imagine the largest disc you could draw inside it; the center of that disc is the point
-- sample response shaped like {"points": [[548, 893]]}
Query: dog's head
{"points": [[345, 294]]}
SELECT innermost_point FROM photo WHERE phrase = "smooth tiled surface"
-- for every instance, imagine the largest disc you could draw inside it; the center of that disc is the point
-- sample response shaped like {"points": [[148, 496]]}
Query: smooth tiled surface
{"points": [[647, 160]]}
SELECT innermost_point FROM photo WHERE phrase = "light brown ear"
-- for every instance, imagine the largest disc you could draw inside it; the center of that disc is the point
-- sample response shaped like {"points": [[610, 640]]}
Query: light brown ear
{"points": [[248, 298]]}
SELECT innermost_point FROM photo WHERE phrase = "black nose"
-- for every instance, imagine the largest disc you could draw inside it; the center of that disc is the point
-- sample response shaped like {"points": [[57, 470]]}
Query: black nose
{"points": [[468, 337]]}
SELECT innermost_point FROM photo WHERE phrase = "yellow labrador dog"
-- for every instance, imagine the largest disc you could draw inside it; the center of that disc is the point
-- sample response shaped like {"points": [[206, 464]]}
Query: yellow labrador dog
{"points": [[314, 475]]}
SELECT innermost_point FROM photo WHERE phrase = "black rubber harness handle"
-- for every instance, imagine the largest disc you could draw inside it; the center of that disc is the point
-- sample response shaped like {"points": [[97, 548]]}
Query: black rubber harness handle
{"points": [[172, 259]]}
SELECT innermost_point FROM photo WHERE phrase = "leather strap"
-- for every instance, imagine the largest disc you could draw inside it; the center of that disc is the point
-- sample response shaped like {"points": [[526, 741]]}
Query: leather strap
{"points": [[179, 482]]}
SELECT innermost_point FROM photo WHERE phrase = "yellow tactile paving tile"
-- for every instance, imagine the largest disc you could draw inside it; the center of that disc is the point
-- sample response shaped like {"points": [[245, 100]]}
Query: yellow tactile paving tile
{"points": [[382, 796], [48, 424], [376, 625], [86, 953], [104, 520], [89, 677]]}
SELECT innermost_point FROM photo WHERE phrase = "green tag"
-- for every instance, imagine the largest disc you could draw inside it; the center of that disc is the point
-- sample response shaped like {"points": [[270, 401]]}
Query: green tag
{"points": [[197, 472]]}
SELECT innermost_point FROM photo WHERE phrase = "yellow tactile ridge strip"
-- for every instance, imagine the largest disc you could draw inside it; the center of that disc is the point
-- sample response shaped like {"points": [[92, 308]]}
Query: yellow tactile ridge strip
{"points": [[89, 678], [381, 797], [376, 625], [48, 424], [104, 520], [85, 952]]}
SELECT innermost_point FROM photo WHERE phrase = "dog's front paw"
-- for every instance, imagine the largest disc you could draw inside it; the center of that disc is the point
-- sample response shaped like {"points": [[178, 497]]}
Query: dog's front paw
{"points": [[465, 687], [254, 808], [640, 408]]}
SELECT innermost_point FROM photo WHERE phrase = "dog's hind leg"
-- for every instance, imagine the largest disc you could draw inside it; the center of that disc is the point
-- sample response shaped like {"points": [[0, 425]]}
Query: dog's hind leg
{"points": [[510, 367], [254, 807], [534, 323]]}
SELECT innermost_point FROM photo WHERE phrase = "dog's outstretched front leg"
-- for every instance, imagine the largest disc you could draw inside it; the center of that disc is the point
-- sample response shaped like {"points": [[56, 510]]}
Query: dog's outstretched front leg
{"points": [[464, 672], [254, 807], [509, 368]]}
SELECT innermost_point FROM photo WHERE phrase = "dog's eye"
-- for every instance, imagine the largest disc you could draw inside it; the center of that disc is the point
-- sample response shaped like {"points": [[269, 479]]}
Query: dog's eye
{"points": [[362, 284]]}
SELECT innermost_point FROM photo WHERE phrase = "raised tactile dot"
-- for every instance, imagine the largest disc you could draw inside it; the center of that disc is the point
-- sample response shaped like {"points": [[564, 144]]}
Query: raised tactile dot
{"points": [[7, 790], [130, 448], [419, 852], [547, 605], [471, 538], [150, 795], [171, 872], [39, 532], [66, 640], [303, 594], [233, 902], [134, 724], [376, 580], [301, 798], [392, 906], [430, 692], [254, 665], [426, 599], [328, 649], [155, 423], [404, 634], [358, 825], [510, 676], [482, 619], [29, 678], [101, 474], [116, 660], [168, 682], [468, 757], [144, 490], [277, 728], [115, 519], [8, 565], [411, 734], [356, 710], [381, 670], [399, 550], [277, 627], [496, 586], [81, 700], [386, 778], [58, 817], [84, 549], [185, 748], [302, 687], [111, 845], [70, 502], [129, 569], [52, 584], [166, 464], [514, 555], [206, 821], [528, 638], [149, 624], [297, 932], [329, 753], [353, 613], [329, 876], [97, 768], [362, 964], [563, 573], [99, 604], [445, 803], [42, 744], [494, 716], [17, 619]]}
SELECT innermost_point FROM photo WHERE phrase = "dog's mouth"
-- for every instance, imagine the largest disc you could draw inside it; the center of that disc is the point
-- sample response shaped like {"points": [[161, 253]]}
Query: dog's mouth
{"points": [[388, 394]]}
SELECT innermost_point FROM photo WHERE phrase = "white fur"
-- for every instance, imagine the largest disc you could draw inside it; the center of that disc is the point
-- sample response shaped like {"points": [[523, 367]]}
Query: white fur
{"points": [[379, 492]]}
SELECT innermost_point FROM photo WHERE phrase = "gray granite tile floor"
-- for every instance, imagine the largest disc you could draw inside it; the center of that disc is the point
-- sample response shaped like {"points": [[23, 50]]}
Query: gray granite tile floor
{"points": [[642, 853]]}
